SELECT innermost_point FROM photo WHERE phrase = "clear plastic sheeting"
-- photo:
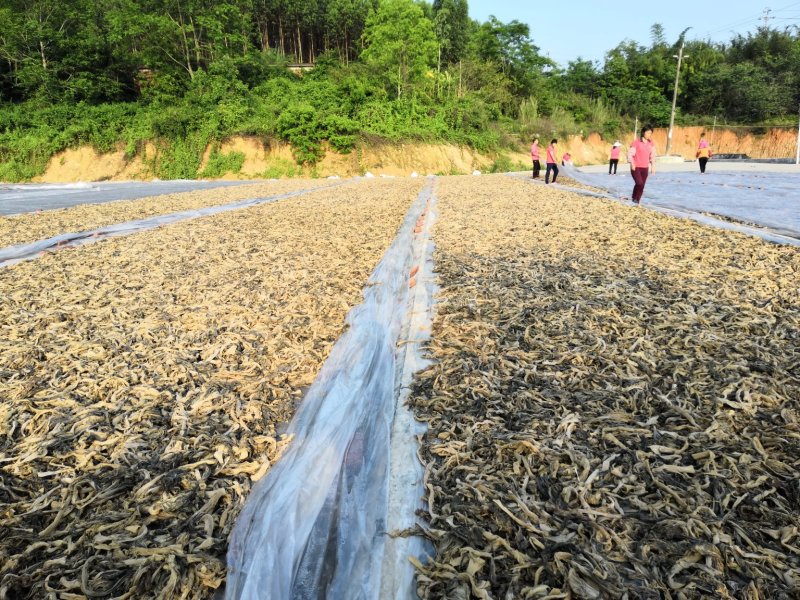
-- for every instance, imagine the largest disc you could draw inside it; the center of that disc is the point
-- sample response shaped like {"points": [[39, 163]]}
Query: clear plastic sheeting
{"points": [[406, 472], [14, 254], [768, 198], [317, 525], [768, 234], [29, 197]]}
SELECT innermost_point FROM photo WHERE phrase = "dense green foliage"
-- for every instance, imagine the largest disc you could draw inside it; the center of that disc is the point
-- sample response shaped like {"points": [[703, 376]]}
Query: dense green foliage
{"points": [[752, 79], [184, 74]]}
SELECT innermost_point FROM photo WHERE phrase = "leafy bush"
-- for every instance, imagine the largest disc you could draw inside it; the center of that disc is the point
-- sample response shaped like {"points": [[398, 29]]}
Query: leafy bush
{"points": [[299, 126], [340, 132], [281, 168], [502, 164], [220, 164]]}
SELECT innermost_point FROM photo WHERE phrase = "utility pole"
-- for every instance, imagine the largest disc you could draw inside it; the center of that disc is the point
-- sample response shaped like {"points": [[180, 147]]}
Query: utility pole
{"points": [[766, 17], [714, 130], [675, 91], [797, 157]]}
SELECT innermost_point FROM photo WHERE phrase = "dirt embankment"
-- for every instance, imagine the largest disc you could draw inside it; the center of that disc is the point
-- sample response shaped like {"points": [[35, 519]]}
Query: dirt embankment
{"points": [[756, 143], [269, 159]]}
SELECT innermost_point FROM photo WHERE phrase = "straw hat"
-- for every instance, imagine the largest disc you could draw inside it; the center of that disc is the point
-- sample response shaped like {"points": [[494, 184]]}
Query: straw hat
{"points": [[617, 144]]}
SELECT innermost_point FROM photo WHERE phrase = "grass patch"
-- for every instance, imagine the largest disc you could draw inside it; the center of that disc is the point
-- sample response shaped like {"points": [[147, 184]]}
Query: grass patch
{"points": [[220, 164]]}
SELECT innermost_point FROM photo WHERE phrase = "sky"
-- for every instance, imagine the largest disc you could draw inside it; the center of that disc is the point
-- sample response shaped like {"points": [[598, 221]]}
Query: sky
{"points": [[567, 29]]}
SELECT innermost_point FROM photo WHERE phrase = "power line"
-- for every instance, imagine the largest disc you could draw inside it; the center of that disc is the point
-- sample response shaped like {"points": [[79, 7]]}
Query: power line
{"points": [[753, 19], [786, 7], [734, 25]]}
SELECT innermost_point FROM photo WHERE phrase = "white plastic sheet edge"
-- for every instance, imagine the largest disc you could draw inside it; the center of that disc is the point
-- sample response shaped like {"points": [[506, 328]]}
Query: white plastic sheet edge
{"points": [[764, 233], [11, 255], [406, 490], [317, 525]]}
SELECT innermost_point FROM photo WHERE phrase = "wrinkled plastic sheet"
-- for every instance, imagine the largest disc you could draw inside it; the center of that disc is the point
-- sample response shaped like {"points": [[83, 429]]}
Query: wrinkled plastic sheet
{"points": [[781, 236], [770, 200], [29, 197], [317, 525], [406, 472], [14, 254]]}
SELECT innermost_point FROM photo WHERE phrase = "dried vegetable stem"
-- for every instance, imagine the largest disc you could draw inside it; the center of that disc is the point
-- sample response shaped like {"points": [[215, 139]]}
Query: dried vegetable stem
{"points": [[567, 180], [32, 227], [144, 380], [614, 411]]}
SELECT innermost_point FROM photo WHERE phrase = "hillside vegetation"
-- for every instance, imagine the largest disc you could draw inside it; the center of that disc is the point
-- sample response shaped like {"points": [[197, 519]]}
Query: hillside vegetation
{"points": [[188, 74]]}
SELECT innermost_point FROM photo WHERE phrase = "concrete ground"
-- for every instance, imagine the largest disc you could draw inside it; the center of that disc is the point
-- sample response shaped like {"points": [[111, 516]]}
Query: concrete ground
{"points": [[737, 166]]}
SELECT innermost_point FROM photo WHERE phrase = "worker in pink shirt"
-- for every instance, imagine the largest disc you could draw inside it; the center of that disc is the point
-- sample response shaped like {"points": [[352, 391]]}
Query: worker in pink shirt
{"points": [[641, 156], [703, 153], [614, 160], [552, 161], [537, 166]]}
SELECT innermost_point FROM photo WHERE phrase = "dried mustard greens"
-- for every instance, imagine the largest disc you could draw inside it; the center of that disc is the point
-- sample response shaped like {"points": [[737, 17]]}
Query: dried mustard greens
{"points": [[144, 379], [32, 227], [613, 412]]}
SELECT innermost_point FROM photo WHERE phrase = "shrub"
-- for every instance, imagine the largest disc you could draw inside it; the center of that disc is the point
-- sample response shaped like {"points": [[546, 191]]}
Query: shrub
{"points": [[219, 164], [299, 126]]}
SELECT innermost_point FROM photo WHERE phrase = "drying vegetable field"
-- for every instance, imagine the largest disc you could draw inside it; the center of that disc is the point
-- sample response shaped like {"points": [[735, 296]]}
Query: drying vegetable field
{"points": [[143, 380], [613, 409], [31, 227]]}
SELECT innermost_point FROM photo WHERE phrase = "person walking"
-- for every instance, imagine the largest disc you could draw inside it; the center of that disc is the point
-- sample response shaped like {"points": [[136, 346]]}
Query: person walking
{"points": [[537, 166], [614, 160], [552, 161], [641, 157], [703, 153]]}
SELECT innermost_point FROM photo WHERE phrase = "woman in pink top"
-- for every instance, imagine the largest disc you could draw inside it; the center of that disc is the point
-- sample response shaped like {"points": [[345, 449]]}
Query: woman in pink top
{"points": [[614, 161], [537, 166], [552, 162], [641, 155], [703, 153]]}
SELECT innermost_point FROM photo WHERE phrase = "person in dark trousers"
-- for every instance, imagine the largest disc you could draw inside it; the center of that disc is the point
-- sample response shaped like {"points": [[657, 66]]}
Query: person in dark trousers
{"points": [[552, 162], [537, 166], [614, 160], [703, 153], [641, 156]]}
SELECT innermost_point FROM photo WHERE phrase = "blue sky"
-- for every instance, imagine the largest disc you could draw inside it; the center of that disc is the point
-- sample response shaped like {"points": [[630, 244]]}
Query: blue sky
{"points": [[567, 29]]}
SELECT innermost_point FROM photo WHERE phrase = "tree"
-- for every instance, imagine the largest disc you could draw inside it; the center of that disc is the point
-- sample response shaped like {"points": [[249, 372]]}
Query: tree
{"points": [[582, 77], [399, 43], [345, 20], [657, 36], [509, 45], [742, 92], [452, 25]]}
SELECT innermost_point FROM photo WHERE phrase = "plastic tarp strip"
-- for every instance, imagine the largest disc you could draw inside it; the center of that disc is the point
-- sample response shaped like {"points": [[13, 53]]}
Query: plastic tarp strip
{"points": [[765, 233], [18, 199], [14, 254], [316, 525], [769, 200], [406, 472]]}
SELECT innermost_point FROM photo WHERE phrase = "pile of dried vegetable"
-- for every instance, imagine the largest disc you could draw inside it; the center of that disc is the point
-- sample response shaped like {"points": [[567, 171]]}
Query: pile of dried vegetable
{"points": [[614, 411], [31, 227], [569, 181], [143, 379]]}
